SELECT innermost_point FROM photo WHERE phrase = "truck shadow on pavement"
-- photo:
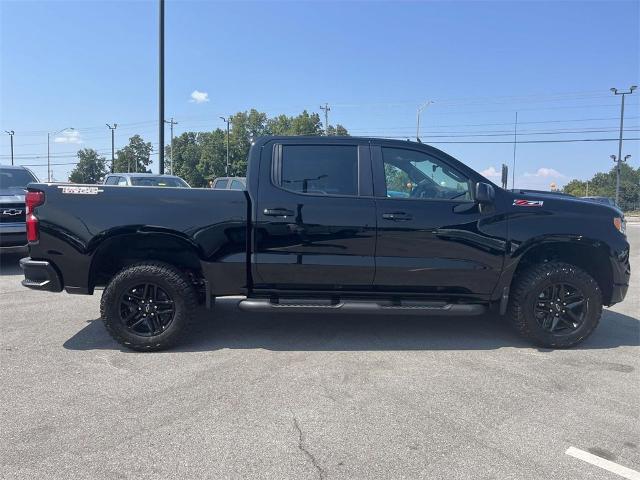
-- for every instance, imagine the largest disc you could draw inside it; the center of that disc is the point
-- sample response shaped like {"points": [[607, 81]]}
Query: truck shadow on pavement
{"points": [[228, 327]]}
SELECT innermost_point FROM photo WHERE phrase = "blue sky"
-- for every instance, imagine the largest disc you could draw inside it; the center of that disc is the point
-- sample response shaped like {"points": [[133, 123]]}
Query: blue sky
{"points": [[82, 64]]}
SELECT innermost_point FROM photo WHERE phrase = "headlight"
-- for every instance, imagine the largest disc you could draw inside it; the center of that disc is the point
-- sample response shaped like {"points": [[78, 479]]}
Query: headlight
{"points": [[620, 225]]}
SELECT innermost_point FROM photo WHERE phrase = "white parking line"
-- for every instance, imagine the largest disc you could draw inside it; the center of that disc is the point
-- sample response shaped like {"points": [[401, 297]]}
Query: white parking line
{"points": [[603, 463]]}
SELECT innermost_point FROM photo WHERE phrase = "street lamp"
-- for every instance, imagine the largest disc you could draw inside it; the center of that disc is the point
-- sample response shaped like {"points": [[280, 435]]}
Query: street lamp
{"points": [[49, 150], [615, 91]]}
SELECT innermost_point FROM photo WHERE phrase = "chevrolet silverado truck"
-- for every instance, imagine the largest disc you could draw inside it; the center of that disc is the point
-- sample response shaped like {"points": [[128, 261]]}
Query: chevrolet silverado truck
{"points": [[331, 225]]}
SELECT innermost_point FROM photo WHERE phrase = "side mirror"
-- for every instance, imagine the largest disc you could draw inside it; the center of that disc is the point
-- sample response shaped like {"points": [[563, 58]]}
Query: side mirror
{"points": [[485, 194]]}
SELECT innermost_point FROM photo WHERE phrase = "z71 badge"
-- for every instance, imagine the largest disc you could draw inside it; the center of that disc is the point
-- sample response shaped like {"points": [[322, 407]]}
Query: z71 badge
{"points": [[528, 203], [80, 190]]}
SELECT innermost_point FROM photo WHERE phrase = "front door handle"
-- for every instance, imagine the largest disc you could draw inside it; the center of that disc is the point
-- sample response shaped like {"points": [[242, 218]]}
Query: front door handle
{"points": [[278, 212], [397, 216]]}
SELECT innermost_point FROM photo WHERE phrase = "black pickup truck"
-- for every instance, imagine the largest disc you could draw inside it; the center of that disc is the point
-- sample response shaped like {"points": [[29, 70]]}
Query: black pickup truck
{"points": [[331, 225]]}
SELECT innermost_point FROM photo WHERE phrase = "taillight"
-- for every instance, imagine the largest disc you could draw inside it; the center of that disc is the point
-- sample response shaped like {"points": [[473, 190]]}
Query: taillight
{"points": [[32, 200]]}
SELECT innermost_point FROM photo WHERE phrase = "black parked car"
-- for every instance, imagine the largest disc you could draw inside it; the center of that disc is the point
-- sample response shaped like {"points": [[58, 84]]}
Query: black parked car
{"points": [[330, 225], [13, 186]]}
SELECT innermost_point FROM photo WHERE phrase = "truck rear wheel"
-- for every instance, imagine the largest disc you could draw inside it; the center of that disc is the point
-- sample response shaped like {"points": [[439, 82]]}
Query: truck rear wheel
{"points": [[148, 306], [555, 305]]}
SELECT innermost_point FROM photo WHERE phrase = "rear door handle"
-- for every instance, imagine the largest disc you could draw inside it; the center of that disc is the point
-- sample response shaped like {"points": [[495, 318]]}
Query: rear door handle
{"points": [[278, 212], [397, 216]]}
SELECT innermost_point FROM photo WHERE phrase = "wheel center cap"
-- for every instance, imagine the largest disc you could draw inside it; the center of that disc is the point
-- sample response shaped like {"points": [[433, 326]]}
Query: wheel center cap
{"points": [[147, 308]]}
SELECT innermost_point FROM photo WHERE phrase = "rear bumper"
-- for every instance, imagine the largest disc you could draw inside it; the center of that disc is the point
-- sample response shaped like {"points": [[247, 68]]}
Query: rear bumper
{"points": [[14, 249], [13, 238], [40, 275]]}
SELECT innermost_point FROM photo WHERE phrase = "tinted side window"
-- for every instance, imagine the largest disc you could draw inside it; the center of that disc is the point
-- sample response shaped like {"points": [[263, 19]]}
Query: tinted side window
{"points": [[221, 184], [122, 181], [413, 174], [236, 185], [112, 181], [320, 169]]}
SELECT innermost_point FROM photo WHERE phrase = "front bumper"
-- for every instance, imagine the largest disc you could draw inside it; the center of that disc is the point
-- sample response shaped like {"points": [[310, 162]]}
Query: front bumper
{"points": [[621, 270], [40, 275]]}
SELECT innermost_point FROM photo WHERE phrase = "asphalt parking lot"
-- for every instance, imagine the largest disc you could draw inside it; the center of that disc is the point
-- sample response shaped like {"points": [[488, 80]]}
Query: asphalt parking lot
{"points": [[310, 397]]}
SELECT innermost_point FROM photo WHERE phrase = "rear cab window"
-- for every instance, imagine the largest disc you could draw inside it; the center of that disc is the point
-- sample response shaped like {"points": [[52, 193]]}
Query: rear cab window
{"points": [[319, 169]]}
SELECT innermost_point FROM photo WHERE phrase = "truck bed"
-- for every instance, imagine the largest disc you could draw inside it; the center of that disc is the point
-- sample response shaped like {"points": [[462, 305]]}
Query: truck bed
{"points": [[212, 224]]}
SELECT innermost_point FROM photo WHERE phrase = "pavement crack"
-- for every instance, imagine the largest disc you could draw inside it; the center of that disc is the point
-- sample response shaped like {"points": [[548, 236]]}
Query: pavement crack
{"points": [[307, 453]]}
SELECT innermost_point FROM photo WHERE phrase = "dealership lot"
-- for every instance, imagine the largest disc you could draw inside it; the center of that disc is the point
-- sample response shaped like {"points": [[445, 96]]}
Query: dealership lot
{"points": [[266, 396]]}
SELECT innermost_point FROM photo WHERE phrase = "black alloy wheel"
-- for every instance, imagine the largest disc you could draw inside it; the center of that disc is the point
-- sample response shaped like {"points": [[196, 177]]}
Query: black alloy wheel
{"points": [[146, 310], [560, 308]]}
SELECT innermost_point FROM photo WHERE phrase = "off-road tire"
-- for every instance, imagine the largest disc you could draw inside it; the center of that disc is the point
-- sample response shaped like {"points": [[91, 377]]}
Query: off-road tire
{"points": [[174, 282], [525, 292]]}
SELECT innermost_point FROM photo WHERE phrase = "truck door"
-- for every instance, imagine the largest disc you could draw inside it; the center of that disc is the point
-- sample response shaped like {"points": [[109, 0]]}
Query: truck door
{"points": [[432, 236], [315, 219]]}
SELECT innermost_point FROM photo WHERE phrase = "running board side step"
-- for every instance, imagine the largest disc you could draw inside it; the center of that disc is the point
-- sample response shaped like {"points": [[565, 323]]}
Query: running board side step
{"points": [[355, 306]]}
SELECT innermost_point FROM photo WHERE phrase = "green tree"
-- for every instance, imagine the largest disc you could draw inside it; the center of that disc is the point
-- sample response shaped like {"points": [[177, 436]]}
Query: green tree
{"points": [[91, 167], [134, 157], [201, 156], [603, 184], [577, 188], [337, 130]]}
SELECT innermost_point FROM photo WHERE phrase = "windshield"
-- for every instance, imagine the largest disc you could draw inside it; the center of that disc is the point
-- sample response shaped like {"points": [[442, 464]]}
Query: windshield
{"points": [[15, 178], [158, 182]]}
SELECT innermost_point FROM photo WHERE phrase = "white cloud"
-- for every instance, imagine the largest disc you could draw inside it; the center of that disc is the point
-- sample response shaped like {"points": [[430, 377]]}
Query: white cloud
{"points": [[491, 172], [199, 97], [68, 136], [544, 172]]}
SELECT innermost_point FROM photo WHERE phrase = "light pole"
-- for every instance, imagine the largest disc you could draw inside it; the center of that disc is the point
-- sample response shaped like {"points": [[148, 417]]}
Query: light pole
{"points": [[226, 168], [113, 151], [161, 91], [615, 91], [49, 150], [421, 107], [11, 133]]}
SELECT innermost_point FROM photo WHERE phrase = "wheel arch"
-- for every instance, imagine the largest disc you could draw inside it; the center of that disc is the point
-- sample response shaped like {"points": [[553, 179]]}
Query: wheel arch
{"points": [[591, 256], [124, 248]]}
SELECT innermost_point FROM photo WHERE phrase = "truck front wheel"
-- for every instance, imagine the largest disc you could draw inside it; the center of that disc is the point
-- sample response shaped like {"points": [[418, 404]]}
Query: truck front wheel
{"points": [[148, 306], [555, 304]]}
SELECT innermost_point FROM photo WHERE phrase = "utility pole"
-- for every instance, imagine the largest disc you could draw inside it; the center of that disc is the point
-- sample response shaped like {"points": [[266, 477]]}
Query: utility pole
{"points": [[515, 144], [615, 91], [161, 91], [113, 151], [421, 107], [326, 109], [49, 150], [227, 121], [172, 123], [11, 133]]}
